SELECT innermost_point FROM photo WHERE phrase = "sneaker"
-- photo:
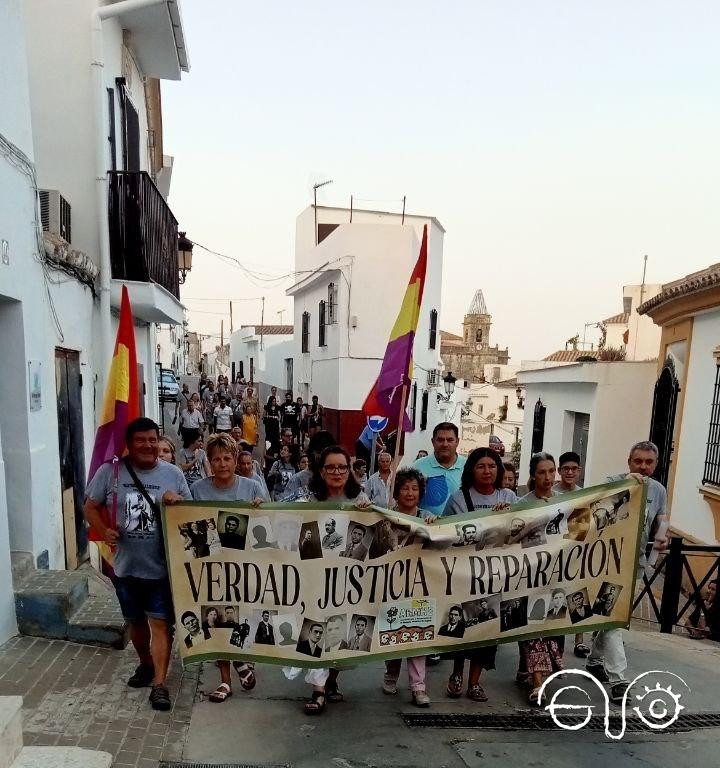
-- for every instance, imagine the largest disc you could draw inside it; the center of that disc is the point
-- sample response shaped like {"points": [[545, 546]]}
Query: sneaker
{"points": [[160, 698], [598, 672], [617, 692], [420, 699], [433, 659], [389, 687], [142, 677]]}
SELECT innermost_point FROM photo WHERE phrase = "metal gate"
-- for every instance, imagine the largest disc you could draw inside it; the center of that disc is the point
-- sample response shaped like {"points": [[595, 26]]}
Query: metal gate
{"points": [[68, 381], [538, 434], [662, 425]]}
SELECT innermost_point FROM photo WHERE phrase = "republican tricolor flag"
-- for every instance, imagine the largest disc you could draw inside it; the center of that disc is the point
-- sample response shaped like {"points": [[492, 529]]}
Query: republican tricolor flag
{"points": [[122, 402], [386, 396]]}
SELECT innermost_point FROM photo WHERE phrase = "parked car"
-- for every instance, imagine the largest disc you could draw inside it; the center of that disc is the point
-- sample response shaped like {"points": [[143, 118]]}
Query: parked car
{"points": [[168, 386], [497, 445]]}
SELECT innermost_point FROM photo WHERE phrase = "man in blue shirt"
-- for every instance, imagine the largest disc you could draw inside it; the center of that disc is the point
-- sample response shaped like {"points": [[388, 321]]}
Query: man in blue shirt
{"points": [[443, 469], [363, 447]]}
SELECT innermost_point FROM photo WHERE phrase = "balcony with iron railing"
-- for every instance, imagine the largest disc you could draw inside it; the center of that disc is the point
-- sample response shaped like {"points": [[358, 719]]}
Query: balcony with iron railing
{"points": [[143, 232]]}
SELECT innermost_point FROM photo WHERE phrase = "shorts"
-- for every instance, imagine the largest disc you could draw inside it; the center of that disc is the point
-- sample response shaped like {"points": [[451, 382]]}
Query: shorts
{"points": [[140, 598]]}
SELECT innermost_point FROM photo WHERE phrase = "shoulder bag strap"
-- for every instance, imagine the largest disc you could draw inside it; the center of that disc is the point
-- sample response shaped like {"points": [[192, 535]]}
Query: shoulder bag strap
{"points": [[468, 501]]}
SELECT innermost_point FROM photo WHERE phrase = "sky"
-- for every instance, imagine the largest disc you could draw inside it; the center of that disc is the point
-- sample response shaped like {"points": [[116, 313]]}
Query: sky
{"points": [[557, 143]]}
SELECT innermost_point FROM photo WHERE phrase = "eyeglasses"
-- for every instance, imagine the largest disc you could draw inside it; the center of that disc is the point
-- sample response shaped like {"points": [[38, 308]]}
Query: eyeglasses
{"points": [[569, 468], [336, 469]]}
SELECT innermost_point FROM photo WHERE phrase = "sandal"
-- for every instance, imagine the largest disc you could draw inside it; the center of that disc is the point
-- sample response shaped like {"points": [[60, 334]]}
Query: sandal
{"points": [[316, 705], [221, 693], [160, 698], [581, 650], [476, 693], [246, 674], [455, 686], [332, 693], [533, 697]]}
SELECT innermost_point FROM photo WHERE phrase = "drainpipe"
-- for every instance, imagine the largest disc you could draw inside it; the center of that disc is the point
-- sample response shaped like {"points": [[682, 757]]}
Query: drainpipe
{"points": [[101, 189]]}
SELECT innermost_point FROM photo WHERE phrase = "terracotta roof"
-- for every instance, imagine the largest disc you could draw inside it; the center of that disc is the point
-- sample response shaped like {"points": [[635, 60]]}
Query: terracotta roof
{"points": [[447, 336], [512, 383], [570, 355], [622, 319], [697, 281], [271, 330]]}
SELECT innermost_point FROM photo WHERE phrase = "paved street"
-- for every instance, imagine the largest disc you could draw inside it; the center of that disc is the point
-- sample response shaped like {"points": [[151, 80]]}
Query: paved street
{"points": [[76, 695]]}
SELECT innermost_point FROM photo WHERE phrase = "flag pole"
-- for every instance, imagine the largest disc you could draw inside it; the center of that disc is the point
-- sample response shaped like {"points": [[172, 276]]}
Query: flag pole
{"points": [[398, 441]]}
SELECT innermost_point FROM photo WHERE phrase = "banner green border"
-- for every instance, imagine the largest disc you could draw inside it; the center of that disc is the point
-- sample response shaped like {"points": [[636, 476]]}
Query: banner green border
{"points": [[611, 487]]}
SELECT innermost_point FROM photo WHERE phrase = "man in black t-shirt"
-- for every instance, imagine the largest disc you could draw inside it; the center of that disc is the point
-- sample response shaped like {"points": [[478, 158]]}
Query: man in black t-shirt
{"points": [[290, 412]]}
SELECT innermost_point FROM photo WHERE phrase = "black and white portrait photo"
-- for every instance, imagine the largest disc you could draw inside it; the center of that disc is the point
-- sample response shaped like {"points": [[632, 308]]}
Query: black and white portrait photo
{"points": [[558, 607], [193, 629], [194, 536], [240, 636], [263, 624], [513, 613], [468, 535], [579, 605], [309, 541], [358, 541], [535, 538], [312, 638], [333, 532], [481, 610], [232, 528], [335, 633], [606, 598], [454, 625], [360, 632], [389, 536]]}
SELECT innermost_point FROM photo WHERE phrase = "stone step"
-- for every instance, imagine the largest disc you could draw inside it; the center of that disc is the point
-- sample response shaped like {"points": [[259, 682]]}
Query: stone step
{"points": [[45, 601], [11, 736], [22, 564], [99, 621], [62, 757]]}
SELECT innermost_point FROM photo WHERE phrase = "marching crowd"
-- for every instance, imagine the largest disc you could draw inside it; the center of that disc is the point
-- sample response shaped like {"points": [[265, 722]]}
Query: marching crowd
{"points": [[221, 459]]}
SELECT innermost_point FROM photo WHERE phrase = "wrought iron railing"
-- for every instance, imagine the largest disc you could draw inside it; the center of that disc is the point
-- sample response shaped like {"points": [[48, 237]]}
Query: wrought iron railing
{"points": [[143, 231], [685, 602]]}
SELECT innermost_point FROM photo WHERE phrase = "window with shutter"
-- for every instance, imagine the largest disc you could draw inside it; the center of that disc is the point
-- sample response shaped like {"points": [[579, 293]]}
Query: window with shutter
{"points": [[332, 304], [433, 328], [305, 337], [321, 324], [424, 410]]}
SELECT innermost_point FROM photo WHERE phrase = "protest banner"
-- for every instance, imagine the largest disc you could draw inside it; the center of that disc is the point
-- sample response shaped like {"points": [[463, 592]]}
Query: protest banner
{"points": [[328, 585]]}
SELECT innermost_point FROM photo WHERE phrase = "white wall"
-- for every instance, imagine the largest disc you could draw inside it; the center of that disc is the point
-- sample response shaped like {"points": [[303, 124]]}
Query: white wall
{"points": [[618, 398], [644, 336], [269, 362], [690, 512], [16, 213]]}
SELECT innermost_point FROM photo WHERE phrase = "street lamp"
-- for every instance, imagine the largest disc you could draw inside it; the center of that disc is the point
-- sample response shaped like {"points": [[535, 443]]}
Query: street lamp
{"points": [[520, 398], [449, 384], [185, 249]]}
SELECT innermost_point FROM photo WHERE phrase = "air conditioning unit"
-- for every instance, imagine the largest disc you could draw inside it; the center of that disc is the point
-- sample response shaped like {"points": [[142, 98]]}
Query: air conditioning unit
{"points": [[433, 378], [55, 214]]}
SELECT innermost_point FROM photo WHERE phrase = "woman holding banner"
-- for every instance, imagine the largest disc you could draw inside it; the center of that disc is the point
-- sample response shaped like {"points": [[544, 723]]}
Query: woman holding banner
{"points": [[225, 485], [409, 489], [481, 487], [540, 657], [332, 480]]}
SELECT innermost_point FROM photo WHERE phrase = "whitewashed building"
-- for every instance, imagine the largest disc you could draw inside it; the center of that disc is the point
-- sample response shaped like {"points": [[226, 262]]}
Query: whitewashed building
{"points": [[686, 405], [351, 277], [495, 407], [596, 409], [263, 354], [80, 100]]}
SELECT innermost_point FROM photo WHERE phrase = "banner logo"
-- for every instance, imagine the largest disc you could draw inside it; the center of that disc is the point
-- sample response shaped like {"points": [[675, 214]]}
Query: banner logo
{"points": [[657, 707]]}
